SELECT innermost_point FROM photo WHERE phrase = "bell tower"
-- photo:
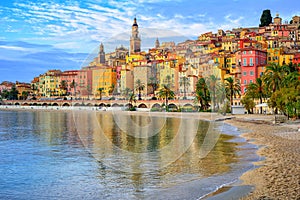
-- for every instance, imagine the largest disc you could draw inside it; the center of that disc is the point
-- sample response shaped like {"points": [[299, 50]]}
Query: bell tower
{"points": [[101, 55], [135, 41]]}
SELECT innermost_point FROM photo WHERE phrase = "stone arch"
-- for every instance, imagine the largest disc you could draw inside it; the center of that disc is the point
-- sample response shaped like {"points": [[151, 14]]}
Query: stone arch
{"points": [[187, 105], [44, 104], [108, 105], [89, 104], [156, 105], [77, 104], [25, 104], [115, 105], [34, 104], [172, 107], [102, 105], [55, 104], [142, 105], [66, 104], [17, 104]]}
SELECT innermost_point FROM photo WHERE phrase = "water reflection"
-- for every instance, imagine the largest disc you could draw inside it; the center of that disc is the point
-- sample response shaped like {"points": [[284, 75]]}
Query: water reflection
{"points": [[88, 154]]}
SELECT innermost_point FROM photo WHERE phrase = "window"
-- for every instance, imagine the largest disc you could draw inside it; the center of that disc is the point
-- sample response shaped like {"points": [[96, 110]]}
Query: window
{"points": [[245, 82], [251, 62], [245, 73], [245, 61], [251, 73], [244, 52], [250, 52], [251, 81]]}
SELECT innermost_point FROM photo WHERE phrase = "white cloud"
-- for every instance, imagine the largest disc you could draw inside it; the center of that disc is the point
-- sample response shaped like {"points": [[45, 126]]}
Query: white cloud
{"points": [[15, 48]]}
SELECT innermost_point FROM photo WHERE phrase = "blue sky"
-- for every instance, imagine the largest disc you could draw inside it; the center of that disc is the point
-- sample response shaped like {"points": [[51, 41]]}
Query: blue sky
{"points": [[39, 35]]}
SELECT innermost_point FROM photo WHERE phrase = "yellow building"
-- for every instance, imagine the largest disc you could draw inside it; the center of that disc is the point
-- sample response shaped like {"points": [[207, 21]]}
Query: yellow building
{"points": [[51, 83], [286, 58], [273, 55], [104, 77]]}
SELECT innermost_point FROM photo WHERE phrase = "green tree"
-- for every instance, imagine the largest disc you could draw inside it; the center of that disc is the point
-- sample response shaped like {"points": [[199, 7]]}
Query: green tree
{"points": [[13, 93], [202, 94], [184, 81], [166, 93], [266, 18], [126, 92], [100, 90], [64, 86], [248, 103], [139, 86], [153, 83], [111, 89], [25, 95], [232, 88], [213, 84], [73, 85], [257, 90], [132, 99]]}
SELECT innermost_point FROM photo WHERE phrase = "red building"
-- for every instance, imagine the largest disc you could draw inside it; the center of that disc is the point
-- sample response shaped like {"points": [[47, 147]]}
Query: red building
{"points": [[250, 60], [70, 77]]}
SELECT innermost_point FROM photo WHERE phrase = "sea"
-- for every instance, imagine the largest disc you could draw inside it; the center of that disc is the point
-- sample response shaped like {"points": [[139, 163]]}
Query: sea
{"points": [[117, 155]]}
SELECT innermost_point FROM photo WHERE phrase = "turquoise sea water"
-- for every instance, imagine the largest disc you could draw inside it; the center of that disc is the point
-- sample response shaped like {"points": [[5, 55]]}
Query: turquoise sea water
{"points": [[65, 155]]}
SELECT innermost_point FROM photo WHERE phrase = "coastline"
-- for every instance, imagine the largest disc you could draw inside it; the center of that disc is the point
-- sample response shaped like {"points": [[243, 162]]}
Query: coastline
{"points": [[275, 177]]}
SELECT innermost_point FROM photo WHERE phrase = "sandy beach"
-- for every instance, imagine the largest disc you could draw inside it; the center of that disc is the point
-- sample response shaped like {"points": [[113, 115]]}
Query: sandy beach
{"points": [[277, 176]]}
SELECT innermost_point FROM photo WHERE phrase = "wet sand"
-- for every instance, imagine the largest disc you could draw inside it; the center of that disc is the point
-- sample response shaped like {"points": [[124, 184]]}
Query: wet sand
{"points": [[278, 175]]}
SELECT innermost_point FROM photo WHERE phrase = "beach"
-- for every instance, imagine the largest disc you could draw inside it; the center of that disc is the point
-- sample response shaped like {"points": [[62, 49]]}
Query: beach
{"points": [[276, 175]]}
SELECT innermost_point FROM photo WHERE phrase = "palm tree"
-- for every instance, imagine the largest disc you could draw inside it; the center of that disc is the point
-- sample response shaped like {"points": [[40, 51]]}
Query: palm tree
{"points": [[257, 90], [111, 89], [73, 85], [64, 86], [25, 95], [273, 77], [126, 91], [100, 92], [213, 84], [166, 93], [153, 83], [184, 81], [139, 86], [202, 94], [232, 88], [132, 98]]}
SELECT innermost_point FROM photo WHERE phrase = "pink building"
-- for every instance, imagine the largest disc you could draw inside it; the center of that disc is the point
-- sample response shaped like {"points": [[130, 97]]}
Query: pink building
{"points": [[70, 77], [250, 60], [85, 81]]}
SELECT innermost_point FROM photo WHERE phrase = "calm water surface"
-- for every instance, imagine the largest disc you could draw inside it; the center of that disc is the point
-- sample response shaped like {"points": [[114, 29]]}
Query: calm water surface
{"points": [[65, 155]]}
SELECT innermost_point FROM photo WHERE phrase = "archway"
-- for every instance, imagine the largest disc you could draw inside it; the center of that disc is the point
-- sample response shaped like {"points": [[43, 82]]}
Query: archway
{"points": [[172, 107], [17, 104], [76, 104], [55, 104], [142, 105], [44, 104], [115, 105], [66, 104]]}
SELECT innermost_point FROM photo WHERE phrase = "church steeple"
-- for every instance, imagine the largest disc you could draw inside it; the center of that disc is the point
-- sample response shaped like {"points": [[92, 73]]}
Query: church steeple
{"points": [[157, 43], [101, 55], [135, 41]]}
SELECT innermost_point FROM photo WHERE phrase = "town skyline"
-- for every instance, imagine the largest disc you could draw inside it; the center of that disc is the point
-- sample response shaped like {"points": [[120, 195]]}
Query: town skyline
{"points": [[40, 36]]}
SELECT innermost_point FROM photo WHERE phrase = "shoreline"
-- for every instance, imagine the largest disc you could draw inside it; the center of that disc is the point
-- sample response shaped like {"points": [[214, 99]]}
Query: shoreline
{"points": [[275, 177]]}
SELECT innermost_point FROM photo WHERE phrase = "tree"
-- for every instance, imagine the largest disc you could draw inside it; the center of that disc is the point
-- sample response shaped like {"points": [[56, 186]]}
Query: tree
{"points": [[126, 92], [202, 94], [153, 83], [139, 86], [73, 85], [166, 93], [13, 93], [266, 18], [25, 95], [232, 88], [213, 84], [168, 81], [64, 86], [184, 81], [132, 98], [100, 90], [257, 90], [111, 89], [248, 103]]}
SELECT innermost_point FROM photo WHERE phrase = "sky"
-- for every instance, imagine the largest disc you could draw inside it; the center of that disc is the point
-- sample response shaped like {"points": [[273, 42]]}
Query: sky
{"points": [[39, 35]]}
